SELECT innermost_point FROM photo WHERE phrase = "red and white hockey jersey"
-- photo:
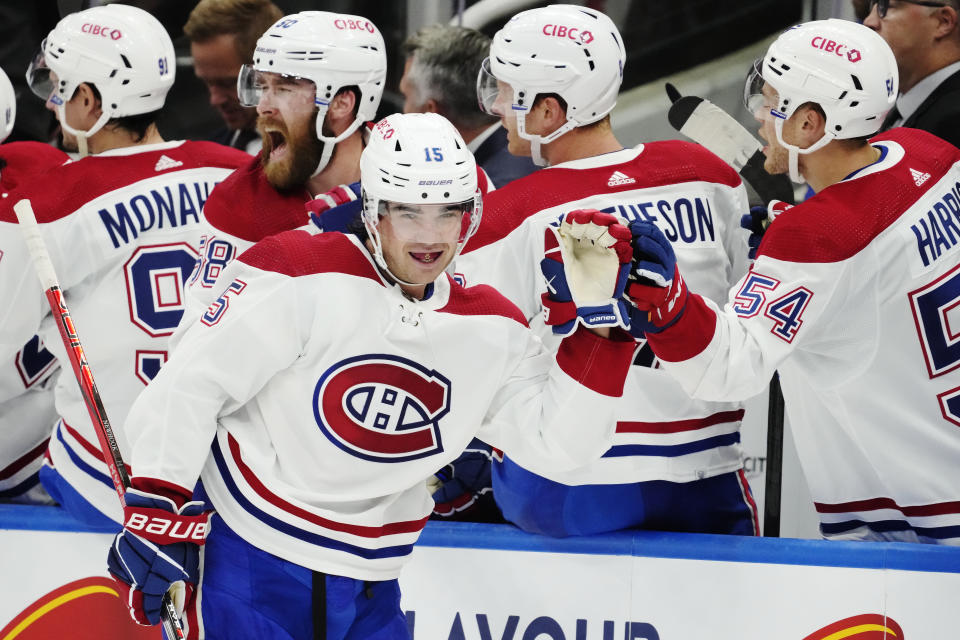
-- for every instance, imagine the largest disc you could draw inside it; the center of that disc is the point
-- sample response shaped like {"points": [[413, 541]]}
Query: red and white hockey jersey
{"points": [[122, 228], [854, 299], [26, 392], [243, 211], [696, 200], [316, 398]]}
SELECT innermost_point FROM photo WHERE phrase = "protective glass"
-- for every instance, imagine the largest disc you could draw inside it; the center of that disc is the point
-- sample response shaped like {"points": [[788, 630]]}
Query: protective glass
{"points": [[253, 84], [488, 89], [884, 5], [40, 78], [756, 102], [429, 222]]}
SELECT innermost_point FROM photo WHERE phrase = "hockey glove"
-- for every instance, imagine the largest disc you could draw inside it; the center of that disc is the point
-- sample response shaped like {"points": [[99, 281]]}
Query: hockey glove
{"points": [[337, 208], [586, 262], [656, 291], [159, 548], [757, 221], [466, 486]]}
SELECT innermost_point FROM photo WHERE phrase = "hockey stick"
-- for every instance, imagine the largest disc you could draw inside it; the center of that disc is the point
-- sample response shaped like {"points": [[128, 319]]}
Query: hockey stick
{"points": [[84, 376], [706, 123]]}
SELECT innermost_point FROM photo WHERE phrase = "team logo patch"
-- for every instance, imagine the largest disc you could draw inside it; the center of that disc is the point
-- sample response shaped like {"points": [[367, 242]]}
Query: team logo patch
{"points": [[382, 408]]}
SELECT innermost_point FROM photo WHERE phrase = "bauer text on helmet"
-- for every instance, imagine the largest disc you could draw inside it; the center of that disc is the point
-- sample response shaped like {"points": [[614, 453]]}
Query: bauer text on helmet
{"points": [[421, 202]]}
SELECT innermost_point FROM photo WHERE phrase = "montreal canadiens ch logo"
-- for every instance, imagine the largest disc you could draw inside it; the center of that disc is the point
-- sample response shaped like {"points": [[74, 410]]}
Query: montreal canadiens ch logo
{"points": [[382, 408]]}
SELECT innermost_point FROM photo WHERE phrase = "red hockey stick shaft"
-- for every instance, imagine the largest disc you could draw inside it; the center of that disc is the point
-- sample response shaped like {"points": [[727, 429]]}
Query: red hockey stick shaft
{"points": [[84, 376]]}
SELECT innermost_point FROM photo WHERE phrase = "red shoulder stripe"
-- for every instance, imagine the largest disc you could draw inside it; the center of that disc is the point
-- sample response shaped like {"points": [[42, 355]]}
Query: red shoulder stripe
{"points": [[480, 300], [298, 253], [658, 164]]}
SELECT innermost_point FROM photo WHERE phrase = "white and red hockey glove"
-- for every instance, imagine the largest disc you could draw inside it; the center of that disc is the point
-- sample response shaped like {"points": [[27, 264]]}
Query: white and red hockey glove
{"points": [[159, 548], [586, 260], [656, 291], [335, 209]]}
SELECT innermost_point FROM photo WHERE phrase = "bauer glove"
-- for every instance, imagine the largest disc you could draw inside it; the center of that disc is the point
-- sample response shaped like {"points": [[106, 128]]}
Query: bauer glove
{"points": [[158, 549]]}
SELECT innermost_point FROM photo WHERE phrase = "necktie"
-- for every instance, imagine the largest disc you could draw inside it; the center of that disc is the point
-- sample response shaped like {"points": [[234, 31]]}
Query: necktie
{"points": [[892, 117]]}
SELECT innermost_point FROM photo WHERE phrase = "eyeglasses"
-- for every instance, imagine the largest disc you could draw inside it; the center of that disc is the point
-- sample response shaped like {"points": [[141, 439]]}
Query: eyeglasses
{"points": [[884, 5]]}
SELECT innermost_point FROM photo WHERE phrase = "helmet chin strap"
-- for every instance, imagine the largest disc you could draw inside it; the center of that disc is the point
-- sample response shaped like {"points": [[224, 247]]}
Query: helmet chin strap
{"points": [[537, 140], [382, 262], [328, 142], [82, 136], [794, 152]]}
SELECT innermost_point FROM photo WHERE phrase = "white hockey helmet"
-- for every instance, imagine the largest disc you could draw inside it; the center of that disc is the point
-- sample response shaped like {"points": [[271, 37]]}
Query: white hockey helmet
{"points": [[8, 106], [418, 158], [572, 51], [842, 66], [332, 50], [122, 50]]}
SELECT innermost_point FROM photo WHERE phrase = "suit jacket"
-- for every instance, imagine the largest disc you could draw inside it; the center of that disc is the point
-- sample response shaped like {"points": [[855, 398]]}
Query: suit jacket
{"points": [[940, 112], [224, 136], [500, 164]]}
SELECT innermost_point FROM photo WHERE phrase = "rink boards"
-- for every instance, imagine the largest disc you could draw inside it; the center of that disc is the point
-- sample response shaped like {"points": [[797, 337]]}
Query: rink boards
{"points": [[489, 582]]}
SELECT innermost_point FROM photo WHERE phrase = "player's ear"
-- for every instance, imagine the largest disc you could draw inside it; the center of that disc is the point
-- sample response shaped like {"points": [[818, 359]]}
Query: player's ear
{"points": [[946, 17], [549, 113], [812, 123], [86, 97], [342, 109]]}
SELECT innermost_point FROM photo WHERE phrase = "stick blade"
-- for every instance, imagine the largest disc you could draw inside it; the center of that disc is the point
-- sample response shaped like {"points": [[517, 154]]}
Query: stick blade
{"points": [[706, 123]]}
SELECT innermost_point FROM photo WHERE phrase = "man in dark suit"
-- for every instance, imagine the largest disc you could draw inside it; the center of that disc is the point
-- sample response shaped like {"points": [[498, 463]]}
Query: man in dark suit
{"points": [[440, 76], [223, 34], [925, 38]]}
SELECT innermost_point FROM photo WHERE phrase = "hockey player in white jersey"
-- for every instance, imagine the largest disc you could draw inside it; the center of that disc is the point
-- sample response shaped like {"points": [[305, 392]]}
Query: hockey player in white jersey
{"points": [[122, 225], [311, 115], [676, 463], [27, 371], [852, 297], [334, 374]]}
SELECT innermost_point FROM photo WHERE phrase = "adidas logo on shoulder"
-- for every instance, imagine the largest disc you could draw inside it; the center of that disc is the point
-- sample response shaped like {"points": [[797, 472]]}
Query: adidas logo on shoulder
{"points": [[619, 178], [166, 162], [919, 177]]}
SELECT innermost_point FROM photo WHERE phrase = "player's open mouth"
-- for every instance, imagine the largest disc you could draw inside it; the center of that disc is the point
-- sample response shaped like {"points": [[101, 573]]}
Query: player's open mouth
{"points": [[278, 144], [426, 257]]}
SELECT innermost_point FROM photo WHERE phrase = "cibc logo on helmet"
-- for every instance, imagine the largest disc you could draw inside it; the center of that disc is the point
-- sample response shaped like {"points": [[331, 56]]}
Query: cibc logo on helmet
{"points": [[563, 31], [354, 25], [837, 48], [101, 30], [384, 129]]}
